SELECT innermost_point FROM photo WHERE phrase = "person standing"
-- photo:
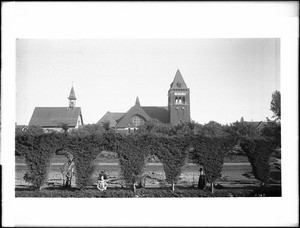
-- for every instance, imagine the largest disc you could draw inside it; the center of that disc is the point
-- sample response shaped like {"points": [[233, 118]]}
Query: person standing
{"points": [[202, 180]]}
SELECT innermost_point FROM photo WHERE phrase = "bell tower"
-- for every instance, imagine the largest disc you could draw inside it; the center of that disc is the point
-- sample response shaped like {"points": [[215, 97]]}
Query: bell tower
{"points": [[72, 99], [179, 101]]}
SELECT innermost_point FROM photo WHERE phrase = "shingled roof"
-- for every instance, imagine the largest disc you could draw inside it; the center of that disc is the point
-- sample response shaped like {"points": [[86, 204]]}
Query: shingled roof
{"points": [[55, 116], [112, 117], [160, 113]]}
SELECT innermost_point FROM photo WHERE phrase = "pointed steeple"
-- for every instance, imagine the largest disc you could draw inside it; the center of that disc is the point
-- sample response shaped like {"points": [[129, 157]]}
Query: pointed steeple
{"points": [[72, 98], [178, 81], [137, 101], [72, 94]]}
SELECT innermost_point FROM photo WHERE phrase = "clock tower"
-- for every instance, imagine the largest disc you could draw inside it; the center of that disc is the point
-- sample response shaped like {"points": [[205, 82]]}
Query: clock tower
{"points": [[179, 101]]}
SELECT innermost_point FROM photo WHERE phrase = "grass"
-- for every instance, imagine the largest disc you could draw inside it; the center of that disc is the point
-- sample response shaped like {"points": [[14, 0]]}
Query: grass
{"points": [[59, 192]]}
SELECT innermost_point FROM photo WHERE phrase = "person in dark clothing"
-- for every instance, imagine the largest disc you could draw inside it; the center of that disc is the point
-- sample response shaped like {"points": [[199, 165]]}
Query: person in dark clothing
{"points": [[202, 180]]}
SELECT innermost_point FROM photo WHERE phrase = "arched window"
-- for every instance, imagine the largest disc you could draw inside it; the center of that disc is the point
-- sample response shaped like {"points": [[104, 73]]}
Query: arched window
{"points": [[137, 120], [183, 100]]}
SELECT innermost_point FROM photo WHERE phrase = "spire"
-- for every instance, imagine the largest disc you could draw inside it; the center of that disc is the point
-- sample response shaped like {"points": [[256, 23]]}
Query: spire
{"points": [[178, 81], [72, 94], [72, 99], [137, 101]]}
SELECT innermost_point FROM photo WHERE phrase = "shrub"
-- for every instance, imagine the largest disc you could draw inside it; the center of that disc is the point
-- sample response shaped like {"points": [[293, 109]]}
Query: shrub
{"points": [[38, 153], [132, 156], [209, 152], [259, 151], [272, 130], [84, 155], [172, 152]]}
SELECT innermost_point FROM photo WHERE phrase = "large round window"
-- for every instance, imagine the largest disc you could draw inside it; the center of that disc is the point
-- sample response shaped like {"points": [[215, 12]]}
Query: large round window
{"points": [[137, 120]]}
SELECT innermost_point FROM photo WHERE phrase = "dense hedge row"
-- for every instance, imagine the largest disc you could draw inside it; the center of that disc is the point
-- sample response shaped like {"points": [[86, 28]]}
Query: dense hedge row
{"points": [[172, 146]]}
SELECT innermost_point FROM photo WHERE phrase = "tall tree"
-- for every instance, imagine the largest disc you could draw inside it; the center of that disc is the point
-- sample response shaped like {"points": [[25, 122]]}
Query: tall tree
{"points": [[276, 105]]}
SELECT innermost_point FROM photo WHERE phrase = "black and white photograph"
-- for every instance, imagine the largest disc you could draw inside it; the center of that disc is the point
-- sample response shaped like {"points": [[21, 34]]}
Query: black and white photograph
{"points": [[150, 124]]}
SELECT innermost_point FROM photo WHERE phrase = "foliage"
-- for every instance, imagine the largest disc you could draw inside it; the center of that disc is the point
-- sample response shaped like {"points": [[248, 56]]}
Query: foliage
{"points": [[211, 129], [65, 127], [172, 152], [158, 128], [84, 153], [272, 130], [209, 152], [88, 129], [106, 125], [142, 193], [38, 153], [132, 156], [276, 105], [258, 151], [239, 130]]}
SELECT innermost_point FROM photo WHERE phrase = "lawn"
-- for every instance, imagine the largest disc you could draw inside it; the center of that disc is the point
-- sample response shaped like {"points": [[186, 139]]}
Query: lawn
{"points": [[92, 192]]}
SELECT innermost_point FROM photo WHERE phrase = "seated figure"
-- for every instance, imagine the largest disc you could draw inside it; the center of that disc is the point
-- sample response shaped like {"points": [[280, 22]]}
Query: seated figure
{"points": [[102, 184]]}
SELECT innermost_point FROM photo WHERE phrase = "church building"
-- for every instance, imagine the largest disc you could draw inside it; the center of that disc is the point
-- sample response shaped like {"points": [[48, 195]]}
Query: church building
{"points": [[177, 111], [52, 118]]}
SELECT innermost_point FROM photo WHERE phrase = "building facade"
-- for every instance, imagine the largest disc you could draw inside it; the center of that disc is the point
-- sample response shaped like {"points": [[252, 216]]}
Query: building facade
{"points": [[177, 111], [53, 118]]}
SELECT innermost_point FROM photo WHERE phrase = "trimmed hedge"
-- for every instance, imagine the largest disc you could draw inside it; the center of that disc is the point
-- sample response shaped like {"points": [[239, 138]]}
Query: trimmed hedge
{"points": [[132, 157], [259, 151], [172, 152], [209, 152], [172, 149], [82, 149], [38, 153]]}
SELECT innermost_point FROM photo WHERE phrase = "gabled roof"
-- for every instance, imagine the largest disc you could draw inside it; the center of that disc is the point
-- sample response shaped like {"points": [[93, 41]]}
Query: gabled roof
{"points": [[55, 116], [160, 113], [112, 117], [178, 82], [125, 121]]}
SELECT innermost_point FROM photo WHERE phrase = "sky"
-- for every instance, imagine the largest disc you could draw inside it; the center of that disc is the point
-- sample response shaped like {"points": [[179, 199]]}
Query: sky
{"points": [[229, 78]]}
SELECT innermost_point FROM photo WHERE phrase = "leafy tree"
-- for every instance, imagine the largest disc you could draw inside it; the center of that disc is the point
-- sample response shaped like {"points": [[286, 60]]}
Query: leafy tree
{"points": [[106, 125], [241, 129], [65, 127], [88, 129], [211, 129], [276, 105], [157, 127], [272, 130]]}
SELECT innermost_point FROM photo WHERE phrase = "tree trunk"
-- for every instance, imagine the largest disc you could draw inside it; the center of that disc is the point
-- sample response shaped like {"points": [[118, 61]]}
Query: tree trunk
{"points": [[173, 187], [212, 188]]}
